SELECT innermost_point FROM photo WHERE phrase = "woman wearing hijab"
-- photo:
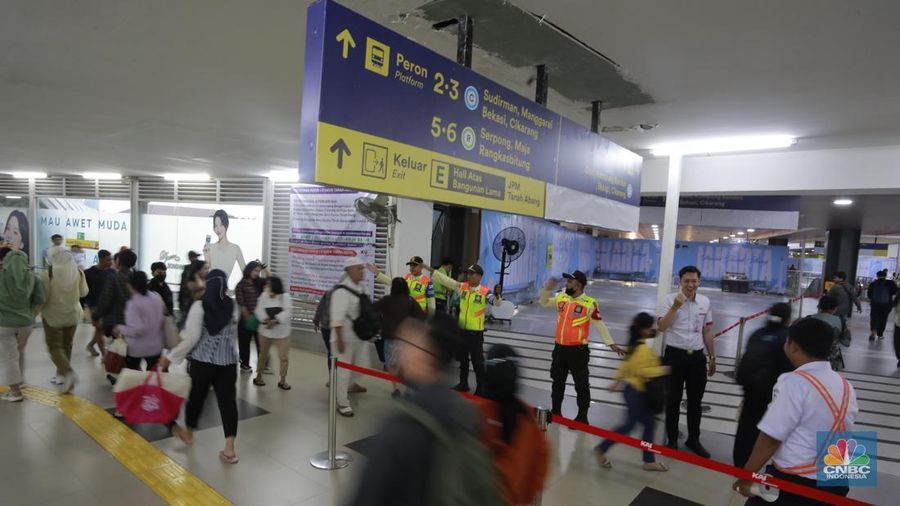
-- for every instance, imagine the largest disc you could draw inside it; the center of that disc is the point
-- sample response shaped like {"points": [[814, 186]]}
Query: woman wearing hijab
{"points": [[65, 286], [520, 451], [208, 338], [21, 296]]}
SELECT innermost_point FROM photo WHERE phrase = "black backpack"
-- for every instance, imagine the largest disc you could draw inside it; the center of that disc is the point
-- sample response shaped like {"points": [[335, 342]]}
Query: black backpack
{"points": [[368, 324]]}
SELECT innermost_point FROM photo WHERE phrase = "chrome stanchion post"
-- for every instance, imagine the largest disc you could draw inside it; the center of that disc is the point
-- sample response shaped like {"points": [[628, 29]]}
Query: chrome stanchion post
{"points": [[740, 345], [542, 416], [331, 459]]}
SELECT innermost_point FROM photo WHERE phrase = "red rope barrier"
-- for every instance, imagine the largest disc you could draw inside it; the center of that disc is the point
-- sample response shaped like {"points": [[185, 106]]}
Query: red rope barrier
{"points": [[713, 465]]}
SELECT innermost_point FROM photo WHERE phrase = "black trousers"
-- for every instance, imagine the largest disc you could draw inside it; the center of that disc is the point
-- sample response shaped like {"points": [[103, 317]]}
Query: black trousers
{"points": [[572, 359], [786, 498], [244, 337], [135, 362], [878, 318], [688, 371], [222, 378], [472, 347], [754, 408]]}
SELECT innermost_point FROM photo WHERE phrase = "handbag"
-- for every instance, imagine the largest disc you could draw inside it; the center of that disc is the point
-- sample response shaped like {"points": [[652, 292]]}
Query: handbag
{"points": [[252, 323], [115, 356], [170, 328], [150, 396]]}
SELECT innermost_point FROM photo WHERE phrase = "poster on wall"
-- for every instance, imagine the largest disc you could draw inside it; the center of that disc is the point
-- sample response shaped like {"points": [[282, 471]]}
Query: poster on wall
{"points": [[90, 224], [227, 235], [325, 231], [14, 228]]}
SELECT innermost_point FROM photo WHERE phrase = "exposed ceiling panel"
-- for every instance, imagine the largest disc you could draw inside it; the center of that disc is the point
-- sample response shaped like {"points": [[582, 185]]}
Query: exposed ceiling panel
{"points": [[522, 39]]}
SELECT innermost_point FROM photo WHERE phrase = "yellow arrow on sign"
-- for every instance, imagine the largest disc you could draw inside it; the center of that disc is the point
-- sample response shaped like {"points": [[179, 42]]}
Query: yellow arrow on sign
{"points": [[348, 41]]}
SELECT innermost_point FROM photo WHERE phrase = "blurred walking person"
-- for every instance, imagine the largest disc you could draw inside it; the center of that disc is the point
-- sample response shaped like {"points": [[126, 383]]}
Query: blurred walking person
{"points": [[428, 448], [762, 363], [208, 339], [145, 313], [273, 310], [641, 365], [881, 294], [520, 450], [21, 296], [96, 277], [65, 285]]}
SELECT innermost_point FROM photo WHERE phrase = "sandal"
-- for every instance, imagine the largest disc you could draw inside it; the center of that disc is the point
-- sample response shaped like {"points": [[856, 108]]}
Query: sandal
{"points": [[660, 467], [284, 386], [182, 434], [228, 459], [258, 382]]}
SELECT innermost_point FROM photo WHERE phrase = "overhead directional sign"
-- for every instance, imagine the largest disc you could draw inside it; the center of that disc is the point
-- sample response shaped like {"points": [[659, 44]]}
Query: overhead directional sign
{"points": [[383, 113]]}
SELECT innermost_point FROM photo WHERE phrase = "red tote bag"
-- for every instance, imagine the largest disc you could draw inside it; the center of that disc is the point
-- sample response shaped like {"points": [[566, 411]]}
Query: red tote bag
{"points": [[149, 401]]}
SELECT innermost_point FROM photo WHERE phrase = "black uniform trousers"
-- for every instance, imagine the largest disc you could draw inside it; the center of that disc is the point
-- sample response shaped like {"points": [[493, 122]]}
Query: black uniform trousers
{"points": [[878, 318], [472, 346], [572, 359], [752, 411], [688, 370]]}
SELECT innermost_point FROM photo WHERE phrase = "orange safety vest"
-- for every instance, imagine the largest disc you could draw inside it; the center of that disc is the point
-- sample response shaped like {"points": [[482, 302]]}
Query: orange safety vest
{"points": [[839, 425], [573, 324], [472, 306], [418, 289]]}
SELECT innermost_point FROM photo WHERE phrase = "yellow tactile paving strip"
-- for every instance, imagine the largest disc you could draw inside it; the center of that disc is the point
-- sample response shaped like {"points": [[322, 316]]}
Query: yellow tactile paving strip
{"points": [[164, 476]]}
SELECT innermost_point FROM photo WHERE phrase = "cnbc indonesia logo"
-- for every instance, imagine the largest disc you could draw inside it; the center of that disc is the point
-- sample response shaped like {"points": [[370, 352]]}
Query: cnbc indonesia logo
{"points": [[846, 460]]}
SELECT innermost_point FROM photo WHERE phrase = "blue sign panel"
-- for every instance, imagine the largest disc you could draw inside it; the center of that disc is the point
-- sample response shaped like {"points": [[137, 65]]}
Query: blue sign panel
{"points": [[402, 118], [596, 165]]}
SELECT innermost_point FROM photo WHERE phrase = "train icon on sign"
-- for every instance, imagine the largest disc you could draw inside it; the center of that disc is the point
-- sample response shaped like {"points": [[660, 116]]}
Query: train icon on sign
{"points": [[471, 98]]}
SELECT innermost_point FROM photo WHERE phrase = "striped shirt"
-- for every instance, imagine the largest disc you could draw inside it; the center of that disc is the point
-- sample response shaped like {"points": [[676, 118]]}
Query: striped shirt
{"points": [[197, 342]]}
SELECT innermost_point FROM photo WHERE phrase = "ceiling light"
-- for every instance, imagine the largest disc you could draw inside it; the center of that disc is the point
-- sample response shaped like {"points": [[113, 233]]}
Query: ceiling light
{"points": [[843, 202], [732, 236], [101, 175], [283, 175], [27, 174], [740, 233], [724, 145], [195, 176], [751, 230], [13, 197]]}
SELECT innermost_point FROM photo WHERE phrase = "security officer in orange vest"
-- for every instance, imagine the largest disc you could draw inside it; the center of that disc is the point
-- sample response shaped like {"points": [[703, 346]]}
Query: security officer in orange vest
{"points": [[473, 304], [576, 313]]}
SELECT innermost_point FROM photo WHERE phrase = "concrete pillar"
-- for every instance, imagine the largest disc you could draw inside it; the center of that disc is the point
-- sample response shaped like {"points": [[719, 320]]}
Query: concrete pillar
{"points": [[842, 252], [670, 228]]}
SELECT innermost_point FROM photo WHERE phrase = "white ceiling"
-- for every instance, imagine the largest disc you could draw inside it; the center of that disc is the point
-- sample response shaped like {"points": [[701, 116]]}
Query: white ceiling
{"points": [[215, 85]]}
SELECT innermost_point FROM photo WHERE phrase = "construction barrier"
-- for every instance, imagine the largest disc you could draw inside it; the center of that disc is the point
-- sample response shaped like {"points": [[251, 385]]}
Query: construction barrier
{"points": [[763, 479]]}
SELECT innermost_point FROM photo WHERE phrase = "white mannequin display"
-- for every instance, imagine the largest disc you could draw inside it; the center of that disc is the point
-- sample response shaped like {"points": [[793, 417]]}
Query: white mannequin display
{"points": [[223, 254]]}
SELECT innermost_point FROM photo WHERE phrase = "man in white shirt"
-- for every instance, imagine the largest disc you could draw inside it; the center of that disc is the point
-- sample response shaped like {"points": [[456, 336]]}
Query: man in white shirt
{"points": [[687, 322], [810, 400], [346, 346]]}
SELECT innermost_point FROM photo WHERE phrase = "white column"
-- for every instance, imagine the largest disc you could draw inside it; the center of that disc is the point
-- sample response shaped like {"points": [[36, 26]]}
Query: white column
{"points": [[135, 241], [670, 228], [268, 212], [800, 279]]}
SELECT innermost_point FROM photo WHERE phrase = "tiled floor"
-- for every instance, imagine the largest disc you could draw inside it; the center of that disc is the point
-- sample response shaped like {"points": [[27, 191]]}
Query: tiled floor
{"points": [[47, 459]]}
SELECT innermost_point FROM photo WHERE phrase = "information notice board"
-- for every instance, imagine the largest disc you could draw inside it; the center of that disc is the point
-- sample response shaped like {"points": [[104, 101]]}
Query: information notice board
{"points": [[383, 113]]}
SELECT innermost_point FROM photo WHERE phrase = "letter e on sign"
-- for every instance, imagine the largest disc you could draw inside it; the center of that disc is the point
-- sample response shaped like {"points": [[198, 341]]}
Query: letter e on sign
{"points": [[440, 172]]}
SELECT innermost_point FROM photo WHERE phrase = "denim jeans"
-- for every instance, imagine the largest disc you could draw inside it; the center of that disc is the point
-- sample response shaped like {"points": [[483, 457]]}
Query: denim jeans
{"points": [[637, 414]]}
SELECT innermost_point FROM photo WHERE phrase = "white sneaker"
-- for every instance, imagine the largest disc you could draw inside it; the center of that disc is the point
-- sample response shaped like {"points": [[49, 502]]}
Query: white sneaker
{"points": [[345, 410], [69, 382], [11, 397], [57, 380]]}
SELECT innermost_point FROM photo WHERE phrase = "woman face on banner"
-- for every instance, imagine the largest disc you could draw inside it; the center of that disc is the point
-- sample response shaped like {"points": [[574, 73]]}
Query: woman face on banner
{"points": [[12, 233], [220, 224]]}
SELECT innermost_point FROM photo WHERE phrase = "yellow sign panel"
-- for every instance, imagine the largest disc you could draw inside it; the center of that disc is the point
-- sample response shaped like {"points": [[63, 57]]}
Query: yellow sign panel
{"points": [[367, 162]]}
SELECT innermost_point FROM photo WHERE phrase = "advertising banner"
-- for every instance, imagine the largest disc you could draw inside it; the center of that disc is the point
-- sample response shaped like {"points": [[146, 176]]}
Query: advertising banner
{"points": [[14, 228], [91, 224], [325, 231], [169, 230], [383, 113]]}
